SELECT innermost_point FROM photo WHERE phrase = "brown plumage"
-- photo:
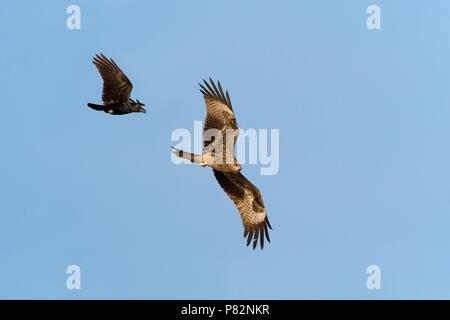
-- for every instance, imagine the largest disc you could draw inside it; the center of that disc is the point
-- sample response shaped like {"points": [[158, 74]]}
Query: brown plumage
{"points": [[246, 197], [248, 200], [219, 117]]}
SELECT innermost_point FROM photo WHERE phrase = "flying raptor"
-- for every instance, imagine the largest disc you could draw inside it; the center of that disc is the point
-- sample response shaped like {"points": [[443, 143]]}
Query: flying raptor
{"points": [[218, 153], [116, 89]]}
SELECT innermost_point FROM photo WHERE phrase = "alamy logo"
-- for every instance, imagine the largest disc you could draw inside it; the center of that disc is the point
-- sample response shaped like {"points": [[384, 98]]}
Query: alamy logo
{"points": [[374, 280], [74, 280], [222, 148], [74, 20], [374, 20]]}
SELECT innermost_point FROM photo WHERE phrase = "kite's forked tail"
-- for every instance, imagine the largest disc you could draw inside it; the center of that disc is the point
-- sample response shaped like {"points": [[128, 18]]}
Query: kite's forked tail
{"points": [[194, 158]]}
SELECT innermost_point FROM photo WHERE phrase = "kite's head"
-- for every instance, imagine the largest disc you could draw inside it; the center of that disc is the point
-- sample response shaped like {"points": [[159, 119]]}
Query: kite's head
{"points": [[236, 166]]}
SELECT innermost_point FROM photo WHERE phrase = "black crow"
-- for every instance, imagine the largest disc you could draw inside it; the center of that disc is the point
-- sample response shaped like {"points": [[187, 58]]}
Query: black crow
{"points": [[116, 89]]}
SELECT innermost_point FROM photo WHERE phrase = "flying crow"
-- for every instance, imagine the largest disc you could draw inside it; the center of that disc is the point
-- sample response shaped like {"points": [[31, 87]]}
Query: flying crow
{"points": [[116, 89], [220, 133]]}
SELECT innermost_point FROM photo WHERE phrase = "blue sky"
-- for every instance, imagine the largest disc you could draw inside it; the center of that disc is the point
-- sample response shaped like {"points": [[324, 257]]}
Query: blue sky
{"points": [[364, 158]]}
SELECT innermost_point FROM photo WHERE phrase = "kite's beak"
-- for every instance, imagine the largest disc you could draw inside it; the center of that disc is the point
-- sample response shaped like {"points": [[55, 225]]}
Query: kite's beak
{"points": [[142, 109]]}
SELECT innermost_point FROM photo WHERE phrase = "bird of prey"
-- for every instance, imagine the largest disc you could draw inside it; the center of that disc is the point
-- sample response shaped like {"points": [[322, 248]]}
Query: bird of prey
{"points": [[218, 153], [116, 89]]}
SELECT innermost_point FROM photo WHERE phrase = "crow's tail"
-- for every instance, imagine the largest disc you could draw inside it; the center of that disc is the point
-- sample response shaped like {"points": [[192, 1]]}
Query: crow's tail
{"points": [[97, 107]]}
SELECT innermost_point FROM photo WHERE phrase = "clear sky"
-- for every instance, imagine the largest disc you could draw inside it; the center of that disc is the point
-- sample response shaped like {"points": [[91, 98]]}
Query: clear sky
{"points": [[364, 150]]}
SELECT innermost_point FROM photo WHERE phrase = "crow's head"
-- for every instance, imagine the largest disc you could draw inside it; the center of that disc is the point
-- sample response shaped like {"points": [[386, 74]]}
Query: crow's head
{"points": [[137, 106]]}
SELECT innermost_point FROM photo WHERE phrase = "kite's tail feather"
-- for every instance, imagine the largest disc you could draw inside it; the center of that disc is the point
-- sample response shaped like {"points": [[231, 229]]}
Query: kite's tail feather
{"points": [[194, 158]]}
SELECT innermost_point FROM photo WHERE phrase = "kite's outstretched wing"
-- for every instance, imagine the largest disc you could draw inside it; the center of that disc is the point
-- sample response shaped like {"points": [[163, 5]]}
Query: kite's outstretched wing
{"points": [[248, 200], [219, 116]]}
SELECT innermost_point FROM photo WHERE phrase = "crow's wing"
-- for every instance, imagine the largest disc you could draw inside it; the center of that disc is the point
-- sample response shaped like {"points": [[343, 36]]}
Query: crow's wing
{"points": [[219, 117], [248, 200], [116, 86]]}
